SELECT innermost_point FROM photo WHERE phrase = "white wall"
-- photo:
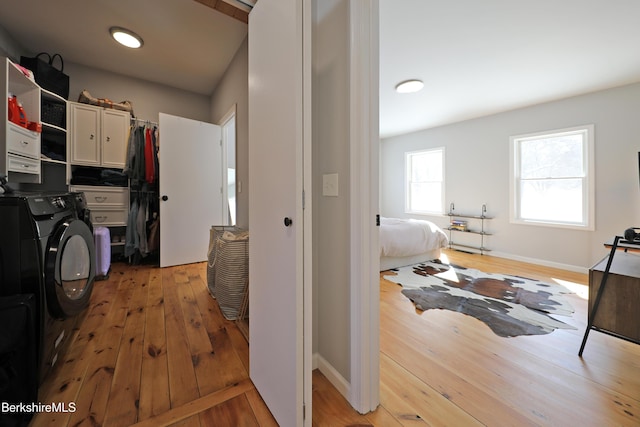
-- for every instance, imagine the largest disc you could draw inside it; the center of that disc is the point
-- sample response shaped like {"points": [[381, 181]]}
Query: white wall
{"points": [[331, 258], [148, 99], [9, 47], [234, 89], [477, 172]]}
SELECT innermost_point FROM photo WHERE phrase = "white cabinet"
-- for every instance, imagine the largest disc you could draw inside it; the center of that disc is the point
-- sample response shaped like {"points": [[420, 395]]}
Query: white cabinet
{"points": [[98, 136], [115, 129], [19, 146]]}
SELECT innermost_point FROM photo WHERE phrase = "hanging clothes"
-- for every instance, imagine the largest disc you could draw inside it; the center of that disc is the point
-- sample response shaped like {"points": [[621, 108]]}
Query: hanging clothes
{"points": [[149, 163], [141, 227], [141, 166], [132, 242], [130, 151]]}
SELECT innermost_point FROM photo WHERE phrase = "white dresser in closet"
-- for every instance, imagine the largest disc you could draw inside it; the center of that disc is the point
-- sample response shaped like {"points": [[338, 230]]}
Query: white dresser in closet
{"points": [[109, 205]]}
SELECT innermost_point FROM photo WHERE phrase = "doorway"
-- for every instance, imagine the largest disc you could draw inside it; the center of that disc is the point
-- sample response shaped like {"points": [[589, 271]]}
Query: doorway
{"points": [[228, 125]]}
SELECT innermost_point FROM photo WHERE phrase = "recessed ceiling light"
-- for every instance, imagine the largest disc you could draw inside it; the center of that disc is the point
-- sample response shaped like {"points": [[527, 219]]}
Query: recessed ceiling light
{"points": [[126, 37], [409, 86]]}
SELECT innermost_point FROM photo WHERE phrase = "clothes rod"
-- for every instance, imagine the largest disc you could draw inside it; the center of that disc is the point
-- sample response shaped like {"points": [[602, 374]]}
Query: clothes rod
{"points": [[133, 119]]}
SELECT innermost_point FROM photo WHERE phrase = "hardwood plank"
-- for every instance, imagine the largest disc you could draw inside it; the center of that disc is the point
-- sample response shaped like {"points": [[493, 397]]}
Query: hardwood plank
{"points": [[432, 366], [124, 397], [228, 350], [193, 421], [235, 412], [93, 396], [412, 402], [260, 410], [64, 382], [382, 417], [154, 381], [206, 369], [183, 385], [196, 406], [330, 407]]}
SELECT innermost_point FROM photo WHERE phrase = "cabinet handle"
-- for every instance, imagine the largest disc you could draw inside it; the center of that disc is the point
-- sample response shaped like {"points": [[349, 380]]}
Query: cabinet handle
{"points": [[100, 218], [108, 138], [25, 142], [101, 199], [26, 166], [91, 137]]}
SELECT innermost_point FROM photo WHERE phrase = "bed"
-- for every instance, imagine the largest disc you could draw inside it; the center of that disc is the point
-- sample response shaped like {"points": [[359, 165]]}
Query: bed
{"points": [[409, 241]]}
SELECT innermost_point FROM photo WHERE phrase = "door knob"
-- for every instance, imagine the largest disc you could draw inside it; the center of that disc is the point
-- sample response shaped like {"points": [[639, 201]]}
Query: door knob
{"points": [[165, 198], [287, 222]]}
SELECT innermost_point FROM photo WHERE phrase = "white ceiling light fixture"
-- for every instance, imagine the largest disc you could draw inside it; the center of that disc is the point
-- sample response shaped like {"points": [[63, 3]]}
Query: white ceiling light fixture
{"points": [[126, 37], [409, 86]]}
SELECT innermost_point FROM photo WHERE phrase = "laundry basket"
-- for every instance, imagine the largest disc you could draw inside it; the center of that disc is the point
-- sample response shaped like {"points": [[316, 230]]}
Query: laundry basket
{"points": [[228, 268], [214, 234]]}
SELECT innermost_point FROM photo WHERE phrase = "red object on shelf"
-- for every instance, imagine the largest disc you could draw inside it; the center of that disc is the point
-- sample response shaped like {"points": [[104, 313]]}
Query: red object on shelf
{"points": [[16, 112], [34, 126], [13, 109]]}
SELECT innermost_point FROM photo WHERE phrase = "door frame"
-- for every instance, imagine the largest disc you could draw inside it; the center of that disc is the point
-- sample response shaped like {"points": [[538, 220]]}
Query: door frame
{"points": [[364, 182]]}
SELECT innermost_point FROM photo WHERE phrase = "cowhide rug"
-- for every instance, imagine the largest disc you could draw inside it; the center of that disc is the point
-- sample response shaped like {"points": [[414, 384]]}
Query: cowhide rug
{"points": [[509, 305]]}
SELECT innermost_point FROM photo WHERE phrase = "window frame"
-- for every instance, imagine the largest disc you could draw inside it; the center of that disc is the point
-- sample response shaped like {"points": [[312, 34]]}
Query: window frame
{"points": [[407, 181], [588, 190]]}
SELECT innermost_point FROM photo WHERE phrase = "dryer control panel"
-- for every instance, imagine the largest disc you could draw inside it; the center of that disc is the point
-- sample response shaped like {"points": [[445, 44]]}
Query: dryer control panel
{"points": [[41, 205]]}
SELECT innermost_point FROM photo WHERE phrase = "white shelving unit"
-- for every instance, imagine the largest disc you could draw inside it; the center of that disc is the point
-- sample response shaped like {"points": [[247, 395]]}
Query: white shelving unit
{"points": [[19, 146], [465, 223]]}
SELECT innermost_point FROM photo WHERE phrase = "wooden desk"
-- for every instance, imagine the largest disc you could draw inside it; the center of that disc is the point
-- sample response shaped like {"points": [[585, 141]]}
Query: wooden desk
{"points": [[614, 293], [619, 311]]}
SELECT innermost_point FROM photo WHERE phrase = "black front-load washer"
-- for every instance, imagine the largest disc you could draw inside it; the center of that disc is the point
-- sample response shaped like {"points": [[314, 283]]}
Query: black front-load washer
{"points": [[47, 251]]}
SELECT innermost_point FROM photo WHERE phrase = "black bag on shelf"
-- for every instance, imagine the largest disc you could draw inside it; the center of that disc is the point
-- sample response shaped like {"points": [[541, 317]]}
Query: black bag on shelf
{"points": [[47, 76]]}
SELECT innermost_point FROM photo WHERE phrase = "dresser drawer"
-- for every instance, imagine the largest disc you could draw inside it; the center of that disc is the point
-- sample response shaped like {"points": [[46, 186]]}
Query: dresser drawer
{"points": [[109, 217], [104, 197], [23, 164], [23, 141]]}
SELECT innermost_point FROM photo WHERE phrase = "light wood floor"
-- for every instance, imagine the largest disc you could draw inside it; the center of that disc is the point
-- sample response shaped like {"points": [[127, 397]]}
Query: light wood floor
{"points": [[154, 350], [443, 368]]}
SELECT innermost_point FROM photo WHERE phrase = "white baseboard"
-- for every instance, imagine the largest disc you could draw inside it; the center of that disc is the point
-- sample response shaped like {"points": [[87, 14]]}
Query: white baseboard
{"points": [[546, 263], [332, 375]]}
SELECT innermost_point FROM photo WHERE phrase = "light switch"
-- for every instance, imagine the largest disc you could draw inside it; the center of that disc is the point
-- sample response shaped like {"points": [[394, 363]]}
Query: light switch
{"points": [[330, 185]]}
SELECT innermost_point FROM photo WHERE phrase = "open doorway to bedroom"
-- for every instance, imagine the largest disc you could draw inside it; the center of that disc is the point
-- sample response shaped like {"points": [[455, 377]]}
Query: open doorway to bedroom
{"points": [[228, 124]]}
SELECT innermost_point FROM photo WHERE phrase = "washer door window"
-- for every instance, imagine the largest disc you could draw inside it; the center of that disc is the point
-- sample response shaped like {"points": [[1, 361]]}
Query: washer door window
{"points": [[70, 268]]}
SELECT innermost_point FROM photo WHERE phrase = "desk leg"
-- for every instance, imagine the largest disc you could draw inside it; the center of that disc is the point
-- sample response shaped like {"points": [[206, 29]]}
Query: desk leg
{"points": [[596, 303]]}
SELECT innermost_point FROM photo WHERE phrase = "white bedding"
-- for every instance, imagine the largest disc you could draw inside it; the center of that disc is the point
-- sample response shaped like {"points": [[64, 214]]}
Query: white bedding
{"points": [[409, 237]]}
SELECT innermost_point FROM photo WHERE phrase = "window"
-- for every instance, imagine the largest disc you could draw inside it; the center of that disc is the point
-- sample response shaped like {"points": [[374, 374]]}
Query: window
{"points": [[552, 178], [424, 184]]}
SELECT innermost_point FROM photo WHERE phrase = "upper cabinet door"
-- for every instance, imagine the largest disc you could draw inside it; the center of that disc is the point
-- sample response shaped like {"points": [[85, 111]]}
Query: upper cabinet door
{"points": [[98, 136], [115, 126], [85, 129]]}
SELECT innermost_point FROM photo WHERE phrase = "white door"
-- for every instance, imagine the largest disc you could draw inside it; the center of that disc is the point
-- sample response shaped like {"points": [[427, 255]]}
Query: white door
{"points": [[190, 160], [279, 152]]}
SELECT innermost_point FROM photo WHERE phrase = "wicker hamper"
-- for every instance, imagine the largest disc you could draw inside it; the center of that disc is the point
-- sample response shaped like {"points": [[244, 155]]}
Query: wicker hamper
{"points": [[228, 268]]}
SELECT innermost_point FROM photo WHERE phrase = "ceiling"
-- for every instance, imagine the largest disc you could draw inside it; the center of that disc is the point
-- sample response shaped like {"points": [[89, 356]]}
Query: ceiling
{"points": [[187, 44], [475, 57], [482, 57]]}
